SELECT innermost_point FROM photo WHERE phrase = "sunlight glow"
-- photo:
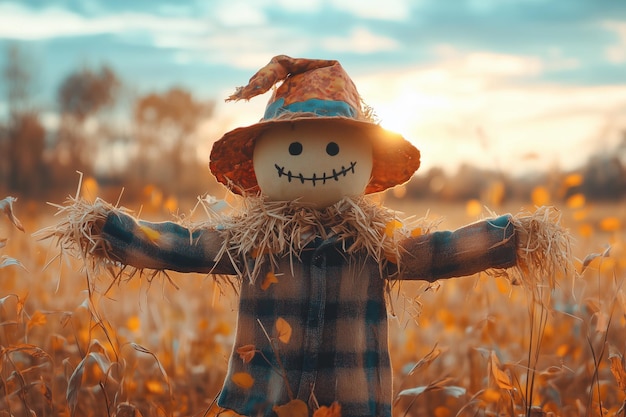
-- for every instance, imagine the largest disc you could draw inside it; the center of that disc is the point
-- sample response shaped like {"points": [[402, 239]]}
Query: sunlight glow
{"points": [[406, 112]]}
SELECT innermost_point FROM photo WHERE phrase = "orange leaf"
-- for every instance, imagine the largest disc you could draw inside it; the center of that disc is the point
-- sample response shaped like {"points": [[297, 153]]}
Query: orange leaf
{"points": [[150, 233], [501, 377], [89, 189], [333, 411], [585, 230], [473, 208], [270, 278], [540, 196], [610, 224], [154, 387], [38, 319], [496, 193], [491, 395], [442, 411], [203, 324], [617, 368], [246, 352], [284, 330], [503, 285], [294, 408], [391, 256], [222, 328], [563, 349], [580, 215], [573, 180], [576, 201], [256, 252], [171, 204], [391, 227], [133, 323], [243, 380]]}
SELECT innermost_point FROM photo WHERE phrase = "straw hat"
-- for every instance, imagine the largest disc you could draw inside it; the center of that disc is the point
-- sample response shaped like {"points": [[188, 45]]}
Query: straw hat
{"points": [[311, 89]]}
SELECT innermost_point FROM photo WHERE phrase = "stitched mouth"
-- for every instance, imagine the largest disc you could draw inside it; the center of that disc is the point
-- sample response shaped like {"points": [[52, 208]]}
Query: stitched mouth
{"points": [[314, 179]]}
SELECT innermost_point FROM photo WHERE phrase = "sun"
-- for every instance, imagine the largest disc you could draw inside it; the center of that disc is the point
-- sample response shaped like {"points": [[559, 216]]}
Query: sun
{"points": [[409, 111], [396, 117]]}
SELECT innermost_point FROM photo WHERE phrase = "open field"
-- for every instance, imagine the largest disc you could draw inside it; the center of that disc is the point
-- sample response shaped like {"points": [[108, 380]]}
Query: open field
{"points": [[470, 346]]}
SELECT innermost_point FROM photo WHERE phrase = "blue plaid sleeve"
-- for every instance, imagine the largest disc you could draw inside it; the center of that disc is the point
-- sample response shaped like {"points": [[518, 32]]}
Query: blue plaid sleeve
{"points": [[165, 245], [474, 248]]}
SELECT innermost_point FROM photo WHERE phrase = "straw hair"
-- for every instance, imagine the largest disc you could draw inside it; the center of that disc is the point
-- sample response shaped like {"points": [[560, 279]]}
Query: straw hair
{"points": [[78, 235], [79, 232]]}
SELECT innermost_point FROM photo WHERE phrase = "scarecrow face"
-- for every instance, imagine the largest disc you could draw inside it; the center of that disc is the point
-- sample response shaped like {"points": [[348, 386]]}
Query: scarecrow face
{"points": [[317, 163]]}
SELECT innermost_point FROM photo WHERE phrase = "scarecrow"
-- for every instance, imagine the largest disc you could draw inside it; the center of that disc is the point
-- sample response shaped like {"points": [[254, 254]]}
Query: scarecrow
{"points": [[312, 253]]}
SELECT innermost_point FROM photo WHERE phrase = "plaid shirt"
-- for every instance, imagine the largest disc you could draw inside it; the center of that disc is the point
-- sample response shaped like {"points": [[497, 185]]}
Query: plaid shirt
{"points": [[334, 304]]}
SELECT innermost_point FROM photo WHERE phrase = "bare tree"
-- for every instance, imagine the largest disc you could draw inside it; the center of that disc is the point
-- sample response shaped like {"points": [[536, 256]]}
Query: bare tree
{"points": [[165, 126], [85, 92], [81, 97], [18, 79], [22, 139], [27, 171], [604, 177]]}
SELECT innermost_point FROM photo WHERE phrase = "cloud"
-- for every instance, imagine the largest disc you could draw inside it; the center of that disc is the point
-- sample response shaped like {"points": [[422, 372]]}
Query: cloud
{"points": [[373, 9], [462, 73], [310, 6], [488, 65], [234, 35], [239, 13], [616, 53], [462, 108], [18, 22], [361, 40], [235, 48], [493, 64]]}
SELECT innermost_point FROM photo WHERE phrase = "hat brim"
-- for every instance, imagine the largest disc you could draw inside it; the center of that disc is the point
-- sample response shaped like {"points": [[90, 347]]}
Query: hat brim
{"points": [[395, 159]]}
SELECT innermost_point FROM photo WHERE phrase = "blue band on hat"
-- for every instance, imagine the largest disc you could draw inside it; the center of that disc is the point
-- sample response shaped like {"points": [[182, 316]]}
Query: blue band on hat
{"points": [[324, 108]]}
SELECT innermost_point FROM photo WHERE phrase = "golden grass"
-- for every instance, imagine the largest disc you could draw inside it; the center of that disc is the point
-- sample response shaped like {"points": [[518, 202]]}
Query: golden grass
{"points": [[471, 346]]}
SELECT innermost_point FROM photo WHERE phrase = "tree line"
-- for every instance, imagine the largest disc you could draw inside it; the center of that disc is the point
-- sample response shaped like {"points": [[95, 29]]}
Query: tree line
{"points": [[99, 129]]}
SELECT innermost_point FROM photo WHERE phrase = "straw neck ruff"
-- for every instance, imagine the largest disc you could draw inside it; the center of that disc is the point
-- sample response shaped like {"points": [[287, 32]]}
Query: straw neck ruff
{"points": [[284, 228]]}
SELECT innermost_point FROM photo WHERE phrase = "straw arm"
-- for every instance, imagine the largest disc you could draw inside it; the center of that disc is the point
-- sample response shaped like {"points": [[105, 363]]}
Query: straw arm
{"points": [[474, 248], [160, 246]]}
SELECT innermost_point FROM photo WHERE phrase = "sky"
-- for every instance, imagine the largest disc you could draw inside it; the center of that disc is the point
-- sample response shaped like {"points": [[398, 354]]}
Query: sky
{"points": [[514, 85]]}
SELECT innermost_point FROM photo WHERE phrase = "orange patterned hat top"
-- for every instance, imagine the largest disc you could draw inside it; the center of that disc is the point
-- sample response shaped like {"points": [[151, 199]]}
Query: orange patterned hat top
{"points": [[311, 88]]}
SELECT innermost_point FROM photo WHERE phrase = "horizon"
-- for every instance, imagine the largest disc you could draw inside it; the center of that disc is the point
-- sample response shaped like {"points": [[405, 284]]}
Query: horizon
{"points": [[521, 86]]}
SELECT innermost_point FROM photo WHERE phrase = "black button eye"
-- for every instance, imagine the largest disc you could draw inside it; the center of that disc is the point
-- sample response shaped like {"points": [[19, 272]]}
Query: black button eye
{"points": [[295, 148], [332, 149]]}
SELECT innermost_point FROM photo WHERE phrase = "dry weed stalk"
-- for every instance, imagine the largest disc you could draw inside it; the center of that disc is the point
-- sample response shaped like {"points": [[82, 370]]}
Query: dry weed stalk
{"points": [[6, 207]]}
